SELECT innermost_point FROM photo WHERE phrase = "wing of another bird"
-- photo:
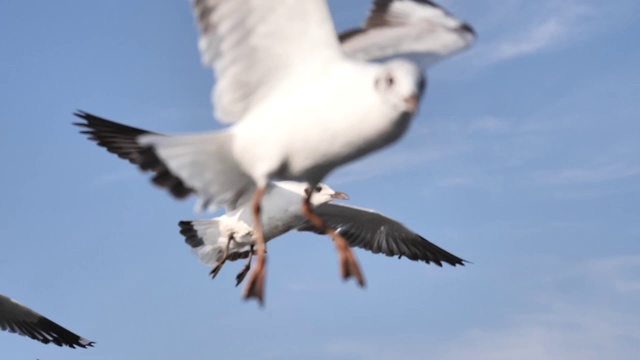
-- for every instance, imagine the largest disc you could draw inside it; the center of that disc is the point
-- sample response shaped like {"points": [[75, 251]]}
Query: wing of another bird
{"points": [[17, 318], [372, 231], [121, 140]]}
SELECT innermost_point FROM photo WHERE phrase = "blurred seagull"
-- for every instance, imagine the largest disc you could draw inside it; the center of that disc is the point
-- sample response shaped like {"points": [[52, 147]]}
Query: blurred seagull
{"points": [[229, 237], [285, 84], [17, 318]]}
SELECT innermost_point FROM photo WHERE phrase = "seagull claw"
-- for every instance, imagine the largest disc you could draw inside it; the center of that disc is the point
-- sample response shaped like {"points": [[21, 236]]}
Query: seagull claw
{"points": [[245, 269], [255, 287], [214, 272]]}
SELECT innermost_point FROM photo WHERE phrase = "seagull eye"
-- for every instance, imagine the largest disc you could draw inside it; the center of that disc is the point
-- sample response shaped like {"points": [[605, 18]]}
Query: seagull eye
{"points": [[317, 188], [389, 80]]}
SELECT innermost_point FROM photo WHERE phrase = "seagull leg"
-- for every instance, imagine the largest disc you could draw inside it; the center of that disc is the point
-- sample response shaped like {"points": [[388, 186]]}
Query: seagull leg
{"points": [[245, 269], [255, 287], [348, 264], [214, 272]]}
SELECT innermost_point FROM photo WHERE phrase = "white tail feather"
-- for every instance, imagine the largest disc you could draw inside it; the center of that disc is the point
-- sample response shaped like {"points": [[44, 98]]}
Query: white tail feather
{"points": [[215, 234], [205, 163]]}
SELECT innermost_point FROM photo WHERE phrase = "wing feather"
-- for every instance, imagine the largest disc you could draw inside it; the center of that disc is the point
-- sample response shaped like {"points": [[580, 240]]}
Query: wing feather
{"points": [[255, 46], [372, 231], [17, 318], [419, 30]]}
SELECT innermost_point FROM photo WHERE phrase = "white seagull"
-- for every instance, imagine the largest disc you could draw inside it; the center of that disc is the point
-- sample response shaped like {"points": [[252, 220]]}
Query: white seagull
{"points": [[229, 237], [299, 109], [362, 228], [17, 318]]}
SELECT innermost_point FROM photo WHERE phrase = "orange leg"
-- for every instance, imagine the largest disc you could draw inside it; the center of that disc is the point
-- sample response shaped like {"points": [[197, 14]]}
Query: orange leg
{"points": [[255, 286], [214, 272], [245, 269], [348, 264]]}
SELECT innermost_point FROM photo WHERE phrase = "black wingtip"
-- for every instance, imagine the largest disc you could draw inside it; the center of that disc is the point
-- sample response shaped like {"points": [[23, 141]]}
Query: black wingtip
{"points": [[190, 234], [466, 27], [121, 140]]}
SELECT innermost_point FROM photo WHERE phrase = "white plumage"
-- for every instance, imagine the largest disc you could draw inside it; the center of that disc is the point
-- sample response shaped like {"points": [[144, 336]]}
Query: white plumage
{"points": [[299, 106]]}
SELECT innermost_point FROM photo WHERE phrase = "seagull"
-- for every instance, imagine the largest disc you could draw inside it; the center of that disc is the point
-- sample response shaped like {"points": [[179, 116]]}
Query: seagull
{"points": [[17, 318], [298, 109], [362, 228], [229, 237]]}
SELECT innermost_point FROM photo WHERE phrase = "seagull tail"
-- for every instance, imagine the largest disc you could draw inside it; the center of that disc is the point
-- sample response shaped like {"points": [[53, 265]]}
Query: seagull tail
{"points": [[204, 162], [203, 236], [208, 239]]}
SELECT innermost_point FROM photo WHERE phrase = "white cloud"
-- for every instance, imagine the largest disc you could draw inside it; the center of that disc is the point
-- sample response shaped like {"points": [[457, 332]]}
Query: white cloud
{"points": [[538, 37]]}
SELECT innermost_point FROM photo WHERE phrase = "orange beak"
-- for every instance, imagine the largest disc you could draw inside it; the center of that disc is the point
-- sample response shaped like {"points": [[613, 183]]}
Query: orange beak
{"points": [[340, 195], [412, 103]]}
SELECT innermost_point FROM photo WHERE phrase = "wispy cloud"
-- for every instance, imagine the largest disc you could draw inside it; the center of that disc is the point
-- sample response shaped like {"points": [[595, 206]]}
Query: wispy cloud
{"points": [[564, 325], [116, 177], [399, 159], [491, 124], [596, 174], [565, 331], [541, 36], [519, 28], [623, 273], [455, 181]]}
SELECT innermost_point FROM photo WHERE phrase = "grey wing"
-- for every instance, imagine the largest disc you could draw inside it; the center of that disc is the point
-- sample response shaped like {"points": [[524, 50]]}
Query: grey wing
{"points": [[377, 233], [121, 140], [17, 318], [419, 30]]}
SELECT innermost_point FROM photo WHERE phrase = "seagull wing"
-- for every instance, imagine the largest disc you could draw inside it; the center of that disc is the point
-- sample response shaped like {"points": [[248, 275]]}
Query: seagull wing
{"points": [[377, 233], [419, 30], [254, 46], [122, 140], [17, 318]]}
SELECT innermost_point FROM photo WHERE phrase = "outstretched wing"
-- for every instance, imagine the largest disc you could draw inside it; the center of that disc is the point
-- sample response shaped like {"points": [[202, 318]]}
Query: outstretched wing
{"points": [[372, 231], [419, 30], [254, 46], [121, 140], [17, 318]]}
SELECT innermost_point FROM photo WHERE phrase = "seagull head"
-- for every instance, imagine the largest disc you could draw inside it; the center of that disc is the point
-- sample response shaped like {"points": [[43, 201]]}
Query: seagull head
{"points": [[322, 193], [402, 83]]}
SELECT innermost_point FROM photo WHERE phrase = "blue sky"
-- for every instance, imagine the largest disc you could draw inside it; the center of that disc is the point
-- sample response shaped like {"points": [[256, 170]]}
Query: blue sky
{"points": [[524, 160]]}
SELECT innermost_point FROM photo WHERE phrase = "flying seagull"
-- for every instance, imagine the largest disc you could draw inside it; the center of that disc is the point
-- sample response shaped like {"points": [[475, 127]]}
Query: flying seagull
{"points": [[17, 318], [289, 91], [229, 237], [213, 243]]}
